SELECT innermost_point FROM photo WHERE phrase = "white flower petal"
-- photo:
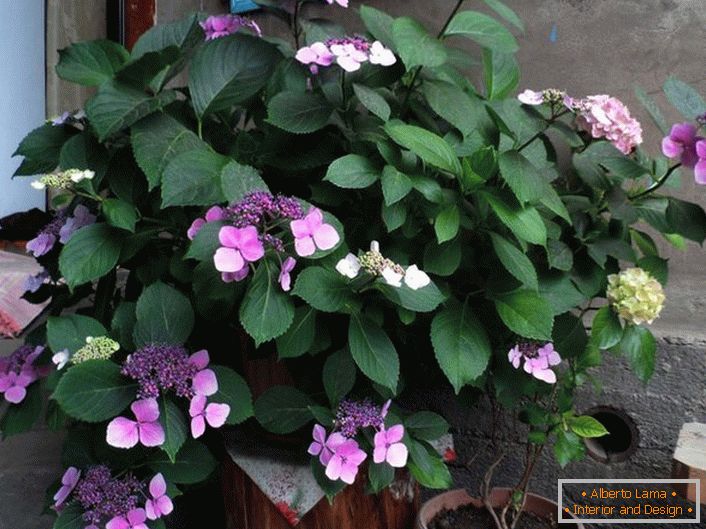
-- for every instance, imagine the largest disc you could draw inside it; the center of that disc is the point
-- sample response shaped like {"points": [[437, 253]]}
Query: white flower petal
{"points": [[348, 266], [415, 278], [392, 278]]}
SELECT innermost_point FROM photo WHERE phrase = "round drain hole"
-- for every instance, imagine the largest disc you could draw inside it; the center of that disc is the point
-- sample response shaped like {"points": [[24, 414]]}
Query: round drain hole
{"points": [[622, 440]]}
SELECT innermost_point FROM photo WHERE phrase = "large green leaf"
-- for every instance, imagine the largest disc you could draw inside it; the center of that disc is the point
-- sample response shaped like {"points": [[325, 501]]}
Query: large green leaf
{"points": [[164, 315], [230, 70], [427, 467], [174, 425], [523, 178], [685, 98], [194, 463], [70, 517], [339, 376], [606, 330], [71, 330], [687, 219], [92, 252], [427, 145], [91, 63], [640, 348], [526, 313], [120, 214], [461, 345], [373, 352], [116, 107], [238, 180], [94, 391], [378, 23], [515, 261], [41, 149], [325, 290], [395, 185], [525, 223], [426, 425], [506, 12], [447, 223], [453, 104], [587, 426], [415, 45], [267, 311], [424, 299], [156, 140], [300, 336], [482, 29], [193, 178], [234, 391], [299, 112], [352, 171], [373, 101], [283, 409]]}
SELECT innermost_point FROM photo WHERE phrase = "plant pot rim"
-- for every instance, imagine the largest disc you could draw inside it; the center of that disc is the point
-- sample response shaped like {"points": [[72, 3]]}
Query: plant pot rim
{"points": [[456, 498]]}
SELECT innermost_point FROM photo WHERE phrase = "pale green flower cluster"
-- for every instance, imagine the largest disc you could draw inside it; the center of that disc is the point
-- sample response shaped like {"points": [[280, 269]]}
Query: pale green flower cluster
{"points": [[98, 348], [64, 179], [635, 295]]}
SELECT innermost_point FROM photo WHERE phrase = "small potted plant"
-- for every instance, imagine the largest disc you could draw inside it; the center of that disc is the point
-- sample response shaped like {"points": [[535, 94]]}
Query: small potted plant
{"points": [[351, 206]]}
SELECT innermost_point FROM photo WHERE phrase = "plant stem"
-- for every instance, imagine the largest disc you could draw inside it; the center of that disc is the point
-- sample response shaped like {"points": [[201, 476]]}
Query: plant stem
{"points": [[658, 184], [549, 122], [448, 20], [295, 23], [200, 129]]}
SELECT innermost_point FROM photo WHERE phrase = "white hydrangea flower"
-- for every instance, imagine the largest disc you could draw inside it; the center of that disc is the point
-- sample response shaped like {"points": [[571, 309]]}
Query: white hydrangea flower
{"points": [[349, 266], [77, 175], [415, 278], [392, 278]]}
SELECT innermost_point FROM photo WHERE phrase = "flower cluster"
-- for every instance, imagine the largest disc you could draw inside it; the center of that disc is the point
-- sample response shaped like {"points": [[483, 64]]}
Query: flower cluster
{"points": [[18, 371], [348, 52], [684, 144], [550, 96], [223, 25], [61, 228], [635, 295], [112, 500], [341, 454], [63, 180], [96, 348], [538, 360], [376, 265], [159, 369]]}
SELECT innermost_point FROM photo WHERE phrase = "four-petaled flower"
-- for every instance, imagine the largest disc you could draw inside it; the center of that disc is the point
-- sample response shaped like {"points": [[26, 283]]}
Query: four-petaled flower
{"points": [[205, 382], [538, 360], [681, 143], [126, 433], [285, 279], [315, 55], [68, 483], [324, 447], [312, 232], [389, 448], [159, 504], [135, 519], [214, 414], [240, 247], [345, 461], [379, 54]]}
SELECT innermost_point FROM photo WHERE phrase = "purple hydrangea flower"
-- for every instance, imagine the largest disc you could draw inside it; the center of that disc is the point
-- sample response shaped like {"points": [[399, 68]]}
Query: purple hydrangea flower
{"points": [[104, 497], [68, 483], [161, 368], [681, 144], [82, 217], [34, 283], [18, 371], [353, 416], [45, 240]]}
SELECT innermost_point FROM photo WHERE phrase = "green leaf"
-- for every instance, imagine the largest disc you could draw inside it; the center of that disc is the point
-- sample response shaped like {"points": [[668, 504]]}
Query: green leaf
{"points": [[426, 425], [483, 30], [20, 418], [373, 101], [91, 63], [378, 23], [453, 104], [656, 266], [238, 180], [229, 71], [415, 45], [325, 290], [506, 12], [395, 185], [606, 330], [684, 98], [71, 330], [194, 463], [380, 476], [92, 252], [373, 352], [640, 348], [501, 74], [523, 178], [461, 345], [515, 261], [687, 219], [116, 107], [427, 145], [352, 172], [174, 424], [525, 223], [299, 112], [234, 391], [94, 391], [442, 259], [447, 223], [526, 313], [394, 215], [206, 242], [427, 467], [120, 214], [300, 336], [164, 315], [559, 255], [330, 488], [41, 149], [267, 311], [193, 178], [587, 426], [339, 376], [568, 447], [283, 409], [157, 140], [70, 517], [147, 72], [123, 324], [424, 299]]}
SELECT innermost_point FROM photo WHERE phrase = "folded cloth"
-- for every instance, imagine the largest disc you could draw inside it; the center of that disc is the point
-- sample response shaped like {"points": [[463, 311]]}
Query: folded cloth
{"points": [[16, 314]]}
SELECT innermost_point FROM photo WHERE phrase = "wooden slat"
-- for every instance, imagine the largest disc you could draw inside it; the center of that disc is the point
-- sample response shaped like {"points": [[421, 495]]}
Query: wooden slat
{"points": [[139, 17]]}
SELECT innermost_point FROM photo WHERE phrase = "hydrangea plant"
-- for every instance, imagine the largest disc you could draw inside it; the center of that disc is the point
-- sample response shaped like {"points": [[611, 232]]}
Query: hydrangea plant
{"points": [[354, 205]]}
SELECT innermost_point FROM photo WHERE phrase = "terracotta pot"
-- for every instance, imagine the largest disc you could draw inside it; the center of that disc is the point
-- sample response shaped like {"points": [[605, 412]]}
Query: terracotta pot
{"points": [[539, 505]]}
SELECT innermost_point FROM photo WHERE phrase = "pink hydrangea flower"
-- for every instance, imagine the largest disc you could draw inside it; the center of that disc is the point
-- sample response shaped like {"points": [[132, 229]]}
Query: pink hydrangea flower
{"points": [[213, 414], [607, 117], [240, 247], [345, 461], [285, 279], [159, 504], [68, 483], [342, 3], [538, 360], [135, 519], [389, 448], [126, 433], [205, 382], [312, 232], [681, 144], [223, 25], [324, 447], [318, 54]]}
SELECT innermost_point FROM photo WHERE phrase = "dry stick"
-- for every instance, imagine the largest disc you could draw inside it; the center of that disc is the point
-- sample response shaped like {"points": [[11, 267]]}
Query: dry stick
{"points": [[485, 491]]}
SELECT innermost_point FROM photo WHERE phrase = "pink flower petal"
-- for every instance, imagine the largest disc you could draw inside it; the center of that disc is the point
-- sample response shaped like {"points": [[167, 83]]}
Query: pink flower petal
{"points": [[306, 55], [252, 249], [145, 410], [198, 426], [136, 516], [151, 434], [300, 228], [379, 454], [304, 246], [228, 260], [546, 375], [122, 433], [348, 474], [215, 213], [118, 523], [158, 487], [151, 510], [217, 414], [230, 237], [699, 176], [315, 448], [197, 405], [165, 505], [395, 433], [15, 394], [397, 455], [200, 359], [326, 237], [333, 469], [205, 382], [671, 148]]}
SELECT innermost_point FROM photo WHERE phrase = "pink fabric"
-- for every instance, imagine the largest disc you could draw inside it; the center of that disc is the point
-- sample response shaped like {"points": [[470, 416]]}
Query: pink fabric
{"points": [[15, 313]]}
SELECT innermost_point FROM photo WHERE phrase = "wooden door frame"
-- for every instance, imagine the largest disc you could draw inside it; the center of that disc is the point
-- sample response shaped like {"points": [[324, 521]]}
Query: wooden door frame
{"points": [[127, 20]]}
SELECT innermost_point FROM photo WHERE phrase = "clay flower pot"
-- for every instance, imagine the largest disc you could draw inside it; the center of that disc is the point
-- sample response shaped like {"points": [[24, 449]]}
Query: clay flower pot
{"points": [[538, 505]]}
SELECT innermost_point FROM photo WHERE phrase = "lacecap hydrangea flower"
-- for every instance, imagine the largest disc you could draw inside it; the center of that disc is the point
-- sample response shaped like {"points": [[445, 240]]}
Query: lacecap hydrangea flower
{"points": [[635, 295], [223, 25], [538, 360], [348, 52], [96, 348], [63, 180]]}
